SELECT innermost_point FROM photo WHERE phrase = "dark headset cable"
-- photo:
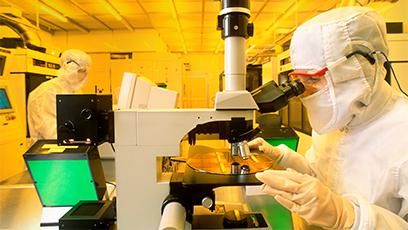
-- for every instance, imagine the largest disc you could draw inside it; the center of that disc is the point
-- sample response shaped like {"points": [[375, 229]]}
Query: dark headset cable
{"points": [[392, 70]]}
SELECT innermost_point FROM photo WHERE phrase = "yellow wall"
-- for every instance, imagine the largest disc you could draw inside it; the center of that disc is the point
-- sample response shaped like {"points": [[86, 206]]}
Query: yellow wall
{"points": [[270, 70], [395, 12], [201, 79], [106, 73], [398, 43]]}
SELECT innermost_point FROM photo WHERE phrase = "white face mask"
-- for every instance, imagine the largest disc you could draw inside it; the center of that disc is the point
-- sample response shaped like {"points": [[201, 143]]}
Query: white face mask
{"points": [[320, 108]]}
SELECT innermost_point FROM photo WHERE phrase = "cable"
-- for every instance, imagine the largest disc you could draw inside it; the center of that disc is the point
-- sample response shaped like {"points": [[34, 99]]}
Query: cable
{"points": [[392, 70], [113, 148]]}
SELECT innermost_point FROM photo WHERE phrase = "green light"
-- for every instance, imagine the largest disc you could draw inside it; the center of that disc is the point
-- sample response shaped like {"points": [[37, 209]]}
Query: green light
{"points": [[62, 182], [290, 142]]}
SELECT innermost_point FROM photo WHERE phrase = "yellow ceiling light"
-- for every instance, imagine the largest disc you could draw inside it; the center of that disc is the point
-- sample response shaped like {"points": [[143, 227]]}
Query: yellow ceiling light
{"points": [[108, 6], [288, 12], [51, 11], [115, 13], [176, 18]]}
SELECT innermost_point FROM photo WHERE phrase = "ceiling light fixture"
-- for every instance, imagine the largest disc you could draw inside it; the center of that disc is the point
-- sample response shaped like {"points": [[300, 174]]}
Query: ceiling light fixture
{"points": [[115, 13], [78, 26], [294, 6], [175, 16], [51, 11], [108, 6]]}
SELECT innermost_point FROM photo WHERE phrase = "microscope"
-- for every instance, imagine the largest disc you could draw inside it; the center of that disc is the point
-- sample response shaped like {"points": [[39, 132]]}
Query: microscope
{"points": [[150, 198]]}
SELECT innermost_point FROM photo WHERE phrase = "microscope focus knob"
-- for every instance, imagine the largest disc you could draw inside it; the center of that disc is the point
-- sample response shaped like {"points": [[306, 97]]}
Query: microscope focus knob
{"points": [[207, 202], [250, 29], [68, 125], [86, 114]]}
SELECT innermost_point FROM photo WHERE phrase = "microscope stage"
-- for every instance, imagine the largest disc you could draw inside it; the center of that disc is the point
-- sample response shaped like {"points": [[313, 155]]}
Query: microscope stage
{"points": [[220, 161]]}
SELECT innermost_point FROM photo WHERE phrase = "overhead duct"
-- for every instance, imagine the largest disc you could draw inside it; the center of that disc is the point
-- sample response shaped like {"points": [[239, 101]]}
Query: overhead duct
{"points": [[29, 37]]}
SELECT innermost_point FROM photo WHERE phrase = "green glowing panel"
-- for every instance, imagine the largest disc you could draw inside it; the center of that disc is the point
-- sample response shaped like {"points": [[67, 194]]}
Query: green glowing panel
{"points": [[282, 135], [62, 182], [278, 217], [292, 143]]}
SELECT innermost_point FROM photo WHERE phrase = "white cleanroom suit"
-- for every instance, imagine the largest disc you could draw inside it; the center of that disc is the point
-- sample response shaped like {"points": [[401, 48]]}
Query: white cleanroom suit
{"points": [[41, 106], [355, 175]]}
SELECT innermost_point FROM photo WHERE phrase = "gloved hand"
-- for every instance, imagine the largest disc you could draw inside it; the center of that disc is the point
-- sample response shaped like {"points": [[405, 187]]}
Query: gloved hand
{"points": [[309, 198], [263, 146]]}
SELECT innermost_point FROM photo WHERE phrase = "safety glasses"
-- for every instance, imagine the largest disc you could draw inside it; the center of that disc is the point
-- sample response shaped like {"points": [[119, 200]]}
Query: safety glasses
{"points": [[313, 80], [309, 73]]}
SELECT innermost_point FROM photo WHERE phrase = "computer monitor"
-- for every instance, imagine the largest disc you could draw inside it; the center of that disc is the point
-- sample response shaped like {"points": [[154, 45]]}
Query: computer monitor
{"points": [[126, 90], [138, 92], [134, 92], [5, 105], [160, 98], [141, 93]]}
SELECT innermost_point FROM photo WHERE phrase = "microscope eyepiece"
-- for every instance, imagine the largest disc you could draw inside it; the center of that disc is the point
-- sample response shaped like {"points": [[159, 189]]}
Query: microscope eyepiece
{"points": [[271, 97], [292, 88]]}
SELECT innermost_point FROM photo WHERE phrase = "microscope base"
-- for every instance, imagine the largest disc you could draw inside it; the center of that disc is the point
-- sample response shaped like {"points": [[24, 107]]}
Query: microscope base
{"points": [[216, 221]]}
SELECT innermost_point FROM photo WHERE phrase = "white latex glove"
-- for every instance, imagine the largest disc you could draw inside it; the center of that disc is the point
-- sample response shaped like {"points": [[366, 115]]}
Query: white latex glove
{"points": [[309, 198], [263, 146]]}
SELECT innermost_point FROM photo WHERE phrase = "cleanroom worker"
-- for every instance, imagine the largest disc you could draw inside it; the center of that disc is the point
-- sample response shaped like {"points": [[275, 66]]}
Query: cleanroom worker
{"points": [[355, 175], [71, 77]]}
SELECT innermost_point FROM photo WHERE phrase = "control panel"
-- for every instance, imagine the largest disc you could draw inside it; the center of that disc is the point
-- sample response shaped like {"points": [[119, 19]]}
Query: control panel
{"points": [[12, 135]]}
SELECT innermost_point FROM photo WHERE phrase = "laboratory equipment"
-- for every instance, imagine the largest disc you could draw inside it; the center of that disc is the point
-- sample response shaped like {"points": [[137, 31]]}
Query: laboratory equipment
{"points": [[63, 176], [12, 135], [68, 170], [138, 92], [90, 215], [30, 63], [270, 100], [84, 119], [144, 137]]}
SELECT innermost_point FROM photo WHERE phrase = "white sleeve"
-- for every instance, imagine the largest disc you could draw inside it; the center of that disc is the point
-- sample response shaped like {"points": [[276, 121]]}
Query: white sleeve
{"points": [[292, 159], [369, 216]]}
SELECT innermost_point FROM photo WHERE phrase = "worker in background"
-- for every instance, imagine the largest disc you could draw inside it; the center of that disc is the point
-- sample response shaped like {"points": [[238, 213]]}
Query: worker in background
{"points": [[72, 76], [355, 175]]}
